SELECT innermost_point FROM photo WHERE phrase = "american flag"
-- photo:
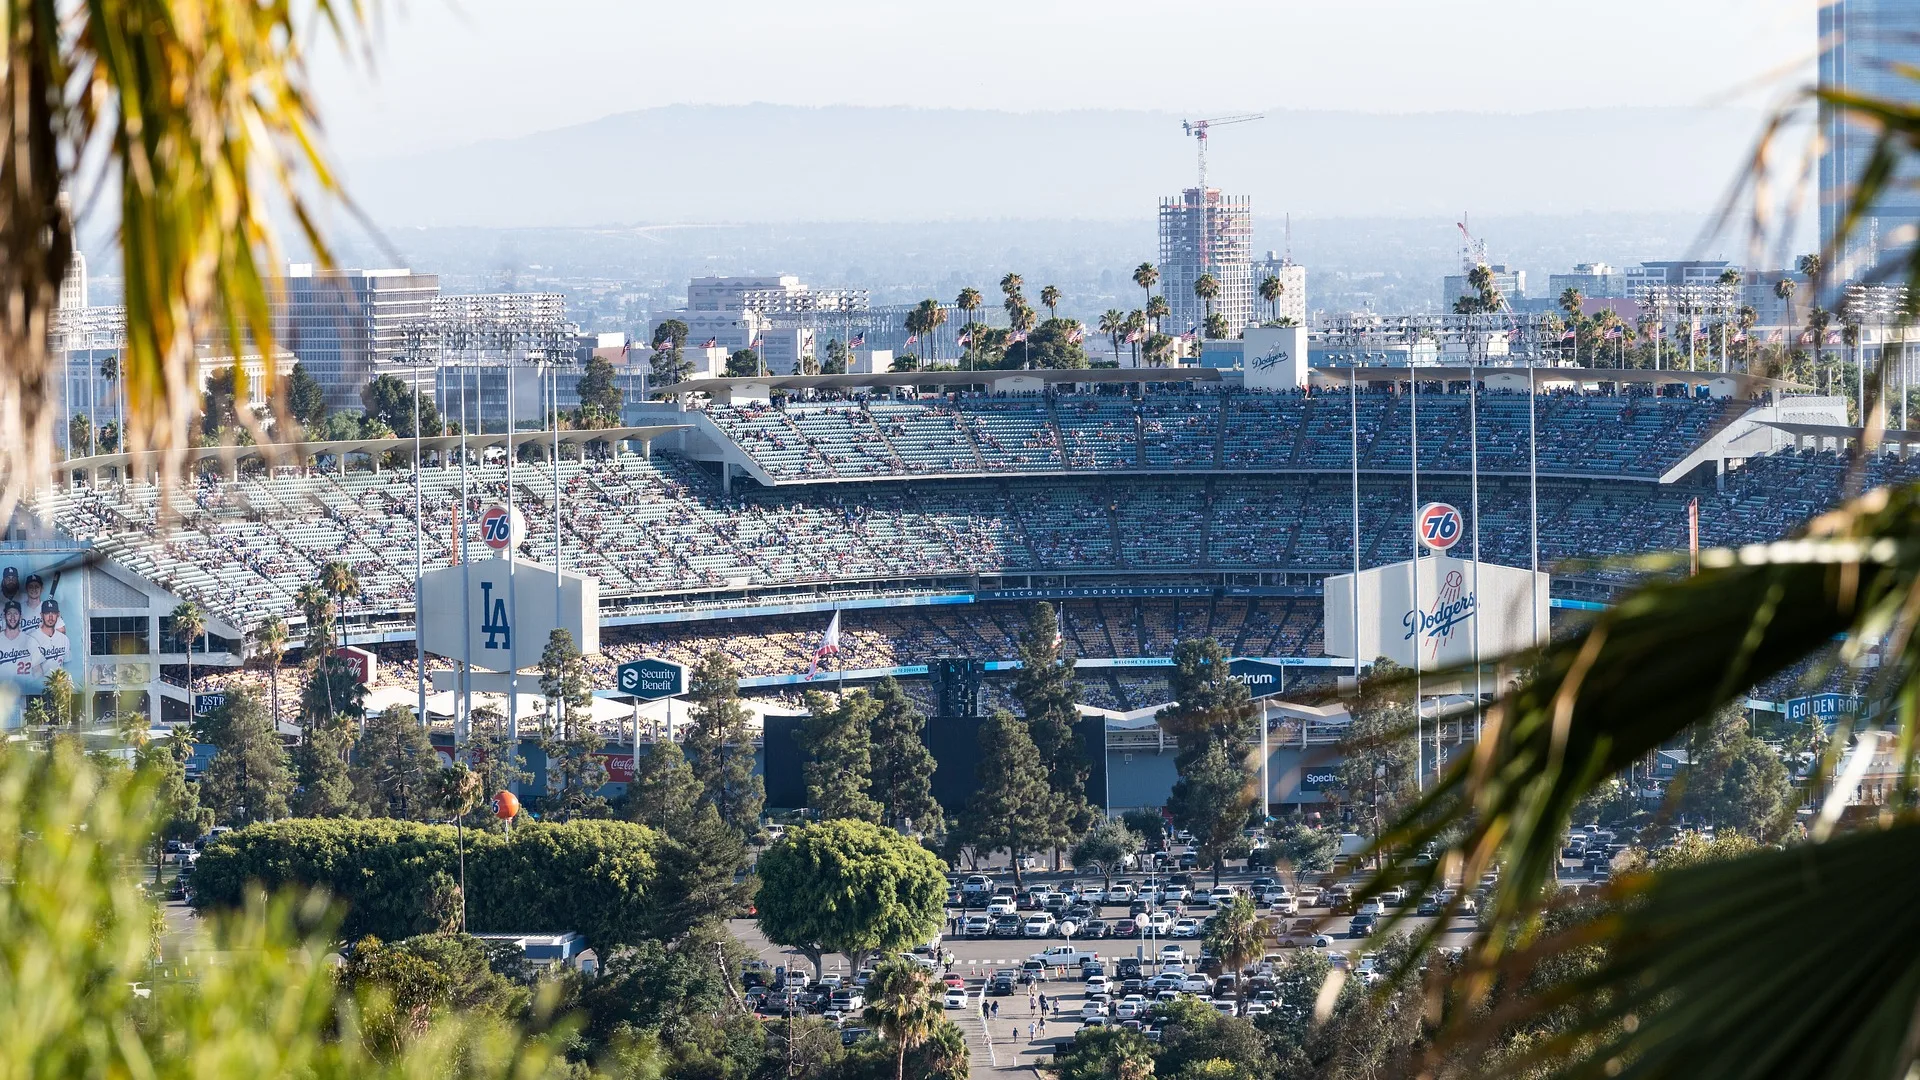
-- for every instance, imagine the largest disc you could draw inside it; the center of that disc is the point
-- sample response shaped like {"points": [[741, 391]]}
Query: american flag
{"points": [[912, 338], [1613, 332], [1568, 336], [829, 646], [1132, 336], [1076, 335], [966, 339], [1017, 335], [757, 339], [856, 341], [1833, 337], [711, 342], [1773, 337]]}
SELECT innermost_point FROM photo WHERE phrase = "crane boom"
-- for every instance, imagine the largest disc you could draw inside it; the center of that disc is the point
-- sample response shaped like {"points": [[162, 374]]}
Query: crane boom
{"points": [[1199, 128]]}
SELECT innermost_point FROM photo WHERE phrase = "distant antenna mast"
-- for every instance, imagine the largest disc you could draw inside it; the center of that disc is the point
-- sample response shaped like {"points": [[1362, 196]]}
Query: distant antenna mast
{"points": [[1199, 128]]}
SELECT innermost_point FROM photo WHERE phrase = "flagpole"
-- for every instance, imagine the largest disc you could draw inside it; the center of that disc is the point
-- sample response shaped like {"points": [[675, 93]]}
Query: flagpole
{"points": [[466, 581], [1473, 440], [1413, 448], [1533, 497], [1353, 431]]}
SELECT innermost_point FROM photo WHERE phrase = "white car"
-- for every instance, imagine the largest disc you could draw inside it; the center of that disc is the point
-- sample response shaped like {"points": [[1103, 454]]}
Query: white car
{"points": [[1172, 954], [1195, 984], [1037, 926], [1160, 922], [1373, 908], [1224, 1008], [1187, 928], [956, 998], [1002, 907], [1222, 894], [1131, 1007], [1257, 1008], [1097, 984], [1121, 893], [1093, 1011]]}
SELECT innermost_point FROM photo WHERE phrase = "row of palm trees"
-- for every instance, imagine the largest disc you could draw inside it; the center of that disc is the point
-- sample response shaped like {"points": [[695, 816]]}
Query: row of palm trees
{"points": [[1141, 328], [319, 601]]}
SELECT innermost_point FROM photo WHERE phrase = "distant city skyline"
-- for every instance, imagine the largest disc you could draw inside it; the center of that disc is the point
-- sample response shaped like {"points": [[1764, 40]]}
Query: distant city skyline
{"points": [[447, 74]]}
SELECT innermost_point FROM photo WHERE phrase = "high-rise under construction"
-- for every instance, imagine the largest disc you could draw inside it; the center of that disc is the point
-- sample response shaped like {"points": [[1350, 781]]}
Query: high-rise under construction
{"points": [[1205, 232]]}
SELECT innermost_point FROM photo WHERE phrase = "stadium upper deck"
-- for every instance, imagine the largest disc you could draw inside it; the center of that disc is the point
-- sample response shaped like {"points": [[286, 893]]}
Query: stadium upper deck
{"points": [[1617, 436]]}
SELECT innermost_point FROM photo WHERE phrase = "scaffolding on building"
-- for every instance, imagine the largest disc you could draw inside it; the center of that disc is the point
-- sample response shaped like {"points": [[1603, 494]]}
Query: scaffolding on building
{"points": [[1206, 232]]}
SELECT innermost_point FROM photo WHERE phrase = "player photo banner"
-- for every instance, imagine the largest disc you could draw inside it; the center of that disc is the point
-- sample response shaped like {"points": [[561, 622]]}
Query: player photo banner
{"points": [[38, 623]]}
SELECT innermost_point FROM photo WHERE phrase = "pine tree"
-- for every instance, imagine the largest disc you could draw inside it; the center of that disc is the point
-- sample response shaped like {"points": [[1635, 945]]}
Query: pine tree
{"points": [[330, 712], [837, 743], [1209, 706], [247, 779], [395, 771], [719, 745], [577, 774], [566, 684], [1013, 807], [1048, 693], [902, 764], [702, 853]]}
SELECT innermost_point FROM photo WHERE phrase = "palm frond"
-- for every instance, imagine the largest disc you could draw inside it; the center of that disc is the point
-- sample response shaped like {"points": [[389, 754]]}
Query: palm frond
{"points": [[1668, 655], [1794, 964]]}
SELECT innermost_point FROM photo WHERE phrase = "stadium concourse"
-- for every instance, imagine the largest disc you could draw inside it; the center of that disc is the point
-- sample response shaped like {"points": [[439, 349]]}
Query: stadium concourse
{"points": [[943, 513]]}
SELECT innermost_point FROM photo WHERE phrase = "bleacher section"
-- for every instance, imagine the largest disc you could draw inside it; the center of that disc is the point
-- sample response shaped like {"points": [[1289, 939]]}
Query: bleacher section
{"points": [[1620, 436]]}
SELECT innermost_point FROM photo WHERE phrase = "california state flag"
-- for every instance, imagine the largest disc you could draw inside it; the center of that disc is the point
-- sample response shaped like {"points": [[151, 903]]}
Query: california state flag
{"points": [[829, 646]]}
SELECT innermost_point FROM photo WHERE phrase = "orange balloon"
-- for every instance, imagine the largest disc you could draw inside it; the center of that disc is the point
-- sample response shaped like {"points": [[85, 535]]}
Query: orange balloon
{"points": [[506, 806]]}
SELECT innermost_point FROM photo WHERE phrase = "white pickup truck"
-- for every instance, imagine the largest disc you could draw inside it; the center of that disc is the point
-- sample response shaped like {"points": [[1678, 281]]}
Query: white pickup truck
{"points": [[1065, 956]]}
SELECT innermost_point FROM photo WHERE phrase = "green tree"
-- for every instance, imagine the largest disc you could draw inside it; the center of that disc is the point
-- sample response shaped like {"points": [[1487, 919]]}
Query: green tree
{"points": [[1146, 275], [1012, 810], [1113, 323], [671, 333], [331, 708], [395, 772], [849, 887], [926, 317], [837, 743], [1106, 846], [1209, 705], [1216, 327], [566, 684], [1104, 1053], [837, 356], [742, 363], [1238, 936], [189, 621], [497, 761], [80, 944], [306, 399], [1206, 289], [341, 583], [79, 435], [719, 745], [1050, 299], [247, 779], [1212, 799], [1736, 781], [1048, 694], [1148, 825], [1271, 290], [218, 404], [902, 765], [905, 1008], [702, 853], [600, 394], [1302, 847], [270, 637], [176, 803], [412, 982], [1378, 754], [575, 774], [388, 400]]}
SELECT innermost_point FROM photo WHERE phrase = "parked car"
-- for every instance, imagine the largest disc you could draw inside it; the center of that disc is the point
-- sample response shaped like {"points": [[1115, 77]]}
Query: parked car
{"points": [[1131, 1007], [1362, 925], [1172, 954], [976, 926], [1006, 926], [1187, 928], [1002, 982], [1096, 928], [956, 999], [1037, 926]]}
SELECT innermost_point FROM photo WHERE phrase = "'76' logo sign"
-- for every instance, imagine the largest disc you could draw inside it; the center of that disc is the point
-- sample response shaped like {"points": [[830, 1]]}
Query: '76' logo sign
{"points": [[1439, 526]]}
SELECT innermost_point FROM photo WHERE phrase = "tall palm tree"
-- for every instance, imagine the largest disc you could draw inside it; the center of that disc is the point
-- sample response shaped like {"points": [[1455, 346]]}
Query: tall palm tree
{"points": [[1157, 310], [1022, 319], [1113, 323], [1011, 284], [1207, 288], [1817, 322], [1146, 275], [1271, 290], [1238, 937], [340, 582], [200, 118], [1784, 289], [1050, 299], [317, 606], [189, 622], [968, 302], [271, 637], [1136, 330], [1647, 324], [905, 1008]]}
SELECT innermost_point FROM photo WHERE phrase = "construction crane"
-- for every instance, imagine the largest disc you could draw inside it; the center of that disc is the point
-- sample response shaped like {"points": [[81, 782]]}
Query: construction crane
{"points": [[1199, 128]]}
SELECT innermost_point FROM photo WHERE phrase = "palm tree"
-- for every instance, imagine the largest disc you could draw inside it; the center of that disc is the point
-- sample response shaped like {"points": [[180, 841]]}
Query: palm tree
{"points": [[1146, 275], [1050, 299], [1207, 288], [189, 622], [968, 301], [1817, 322], [926, 317], [1784, 289], [1647, 324], [1011, 283], [1021, 318], [905, 1008], [340, 582], [1238, 937], [1136, 331], [1113, 323], [201, 117], [271, 637], [1271, 290], [317, 606], [1157, 310]]}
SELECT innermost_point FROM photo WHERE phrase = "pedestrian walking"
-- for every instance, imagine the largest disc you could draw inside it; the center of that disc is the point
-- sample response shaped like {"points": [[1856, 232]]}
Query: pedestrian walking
{"points": [[996, 1010], [1030, 1030], [1043, 1004]]}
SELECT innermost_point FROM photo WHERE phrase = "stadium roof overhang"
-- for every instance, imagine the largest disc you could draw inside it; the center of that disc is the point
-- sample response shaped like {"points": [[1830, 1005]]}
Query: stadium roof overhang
{"points": [[751, 386], [1844, 433], [149, 460], [1735, 384]]}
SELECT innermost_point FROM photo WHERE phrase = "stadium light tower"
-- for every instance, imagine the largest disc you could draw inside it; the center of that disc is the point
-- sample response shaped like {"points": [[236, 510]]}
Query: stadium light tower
{"points": [[1199, 128]]}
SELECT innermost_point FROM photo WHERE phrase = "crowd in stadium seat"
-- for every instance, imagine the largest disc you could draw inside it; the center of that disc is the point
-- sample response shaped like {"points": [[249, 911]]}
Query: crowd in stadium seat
{"points": [[1586, 434]]}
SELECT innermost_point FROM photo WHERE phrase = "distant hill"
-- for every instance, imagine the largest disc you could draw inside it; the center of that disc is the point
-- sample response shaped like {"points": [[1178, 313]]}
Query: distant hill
{"points": [[770, 163]]}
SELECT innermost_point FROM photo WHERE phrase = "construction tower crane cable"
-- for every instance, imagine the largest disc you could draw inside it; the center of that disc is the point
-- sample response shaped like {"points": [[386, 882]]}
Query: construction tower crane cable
{"points": [[1199, 128]]}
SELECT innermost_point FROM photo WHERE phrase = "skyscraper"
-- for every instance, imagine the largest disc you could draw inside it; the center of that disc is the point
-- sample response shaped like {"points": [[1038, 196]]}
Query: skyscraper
{"points": [[1207, 233], [1863, 43], [343, 324]]}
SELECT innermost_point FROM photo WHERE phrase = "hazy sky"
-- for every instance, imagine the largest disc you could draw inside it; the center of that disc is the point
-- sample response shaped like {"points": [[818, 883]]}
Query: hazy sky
{"points": [[456, 71]]}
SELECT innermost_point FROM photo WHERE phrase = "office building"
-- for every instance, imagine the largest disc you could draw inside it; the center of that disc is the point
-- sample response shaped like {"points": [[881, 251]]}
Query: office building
{"points": [[1293, 288], [1511, 283], [344, 324], [1595, 280], [1206, 232], [73, 287], [779, 294], [1864, 45]]}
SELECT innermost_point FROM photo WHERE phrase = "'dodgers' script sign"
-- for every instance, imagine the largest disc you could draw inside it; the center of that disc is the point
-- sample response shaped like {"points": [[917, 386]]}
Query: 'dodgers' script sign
{"points": [[649, 680]]}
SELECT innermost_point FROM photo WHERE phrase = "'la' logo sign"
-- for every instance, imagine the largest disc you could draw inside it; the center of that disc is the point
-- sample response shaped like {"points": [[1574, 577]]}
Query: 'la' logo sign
{"points": [[493, 619], [1438, 526]]}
